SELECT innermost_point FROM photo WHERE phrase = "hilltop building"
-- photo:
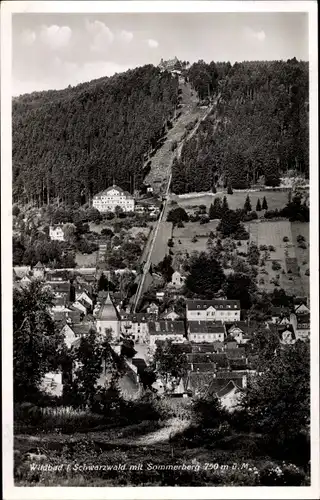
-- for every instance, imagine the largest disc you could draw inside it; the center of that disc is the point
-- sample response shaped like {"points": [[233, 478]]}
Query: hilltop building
{"points": [[114, 196], [172, 65]]}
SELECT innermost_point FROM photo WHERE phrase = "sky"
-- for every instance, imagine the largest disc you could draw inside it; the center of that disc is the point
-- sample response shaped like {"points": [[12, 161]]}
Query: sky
{"points": [[52, 51]]}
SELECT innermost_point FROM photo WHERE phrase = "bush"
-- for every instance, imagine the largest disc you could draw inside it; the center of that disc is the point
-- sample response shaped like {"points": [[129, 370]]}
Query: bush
{"points": [[300, 238], [263, 247], [276, 266], [303, 245], [239, 243], [271, 248], [285, 238], [194, 239], [307, 273]]}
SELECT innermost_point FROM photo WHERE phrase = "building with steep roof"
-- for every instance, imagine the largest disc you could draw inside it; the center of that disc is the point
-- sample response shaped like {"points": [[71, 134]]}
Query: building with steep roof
{"points": [[108, 318], [114, 196]]}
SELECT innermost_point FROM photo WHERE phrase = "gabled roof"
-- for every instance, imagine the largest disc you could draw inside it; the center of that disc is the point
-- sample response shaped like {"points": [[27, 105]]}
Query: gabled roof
{"points": [[230, 386], [237, 353], [206, 327], [39, 265], [222, 304], [121, 191], [202, 367], [167, 327], [108, 310], [81, 329]]}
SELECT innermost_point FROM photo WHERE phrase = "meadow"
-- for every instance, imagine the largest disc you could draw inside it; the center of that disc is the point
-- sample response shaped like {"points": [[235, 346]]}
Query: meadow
{"points": [[275, 199], [282, 236]]}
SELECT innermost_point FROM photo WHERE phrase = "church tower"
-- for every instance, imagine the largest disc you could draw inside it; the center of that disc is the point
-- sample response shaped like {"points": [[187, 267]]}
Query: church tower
{"points": [[108, 318]]}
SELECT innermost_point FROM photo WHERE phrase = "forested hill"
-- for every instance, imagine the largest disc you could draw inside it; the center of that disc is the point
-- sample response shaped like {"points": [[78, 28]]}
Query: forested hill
{"points": [[74, 142], [259, 128]]}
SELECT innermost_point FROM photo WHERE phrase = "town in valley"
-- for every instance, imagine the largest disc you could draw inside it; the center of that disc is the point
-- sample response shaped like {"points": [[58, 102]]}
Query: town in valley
{"points": [[161, 295]]}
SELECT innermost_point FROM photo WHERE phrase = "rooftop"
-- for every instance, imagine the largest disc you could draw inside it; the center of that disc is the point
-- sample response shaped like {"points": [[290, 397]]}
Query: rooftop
{"points": [[222, 304]]}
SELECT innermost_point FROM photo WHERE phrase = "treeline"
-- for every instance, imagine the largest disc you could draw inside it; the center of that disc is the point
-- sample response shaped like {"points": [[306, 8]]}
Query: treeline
{"points": [[258, 131], [73, 143]]}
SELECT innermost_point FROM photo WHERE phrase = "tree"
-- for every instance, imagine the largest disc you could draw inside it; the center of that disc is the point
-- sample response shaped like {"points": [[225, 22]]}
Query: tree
{"points": [[229, 191], [247, 205], [258, 206], [36, 345], [170, 364], [214, 189], [177, 215], [253, 254], [230, 223], [215, 210], [165, 268], [278, 399], [206, 275], [92, 359], [15, 210], [104, 284], [225, 205], [240, 286], [264, 204]]}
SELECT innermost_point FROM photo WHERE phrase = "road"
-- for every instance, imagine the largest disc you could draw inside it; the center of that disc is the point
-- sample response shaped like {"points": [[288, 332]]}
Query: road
{"points": [[157, 233]]}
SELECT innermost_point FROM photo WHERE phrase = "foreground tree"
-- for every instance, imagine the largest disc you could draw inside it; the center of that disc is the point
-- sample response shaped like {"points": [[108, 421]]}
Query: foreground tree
{"points": [[240, 286], [278, 400], [170, 364], [37, 347], [177, 215]]}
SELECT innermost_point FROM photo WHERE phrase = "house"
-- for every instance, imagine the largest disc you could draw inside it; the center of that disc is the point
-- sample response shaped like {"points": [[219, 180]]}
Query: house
{"points": [[166, 330], [170, 314], [108, 319], [136, 326], [83, 308], [178, 279], [301, 308], [160, 296], [172, 65], [21, 271], [153, 309], [114, 196], [280, 315], [84, 296], [213, 310], [25, 280], [286, 334], [39, 270], [206, 331], [58, 275], [140, 209], [301, 325], [62, 313], [207, 361], [60, 289], [240, 331], [56, 233], [228, 391]]}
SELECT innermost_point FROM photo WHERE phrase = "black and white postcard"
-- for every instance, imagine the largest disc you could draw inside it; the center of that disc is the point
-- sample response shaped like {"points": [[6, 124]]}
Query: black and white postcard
{"points": [[160, 249]]}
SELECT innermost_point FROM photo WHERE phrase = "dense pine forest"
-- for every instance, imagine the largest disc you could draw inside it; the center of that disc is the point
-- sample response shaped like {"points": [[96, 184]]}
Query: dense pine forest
{"points": [[71, 144], [258, 130]]}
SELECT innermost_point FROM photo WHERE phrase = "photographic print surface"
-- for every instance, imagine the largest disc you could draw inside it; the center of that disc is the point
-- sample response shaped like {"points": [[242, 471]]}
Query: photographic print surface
{"points": [[161, 249]]}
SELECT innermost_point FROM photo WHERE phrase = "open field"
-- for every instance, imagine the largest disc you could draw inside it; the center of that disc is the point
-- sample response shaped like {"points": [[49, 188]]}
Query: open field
{"points": [[275, 199], [272, 233], [86, 260], [183, 236]]}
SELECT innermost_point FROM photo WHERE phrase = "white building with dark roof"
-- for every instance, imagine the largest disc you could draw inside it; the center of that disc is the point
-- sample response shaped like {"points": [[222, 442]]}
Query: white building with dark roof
{"points": [[213, 310], [206, 331], [114, 196]]}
